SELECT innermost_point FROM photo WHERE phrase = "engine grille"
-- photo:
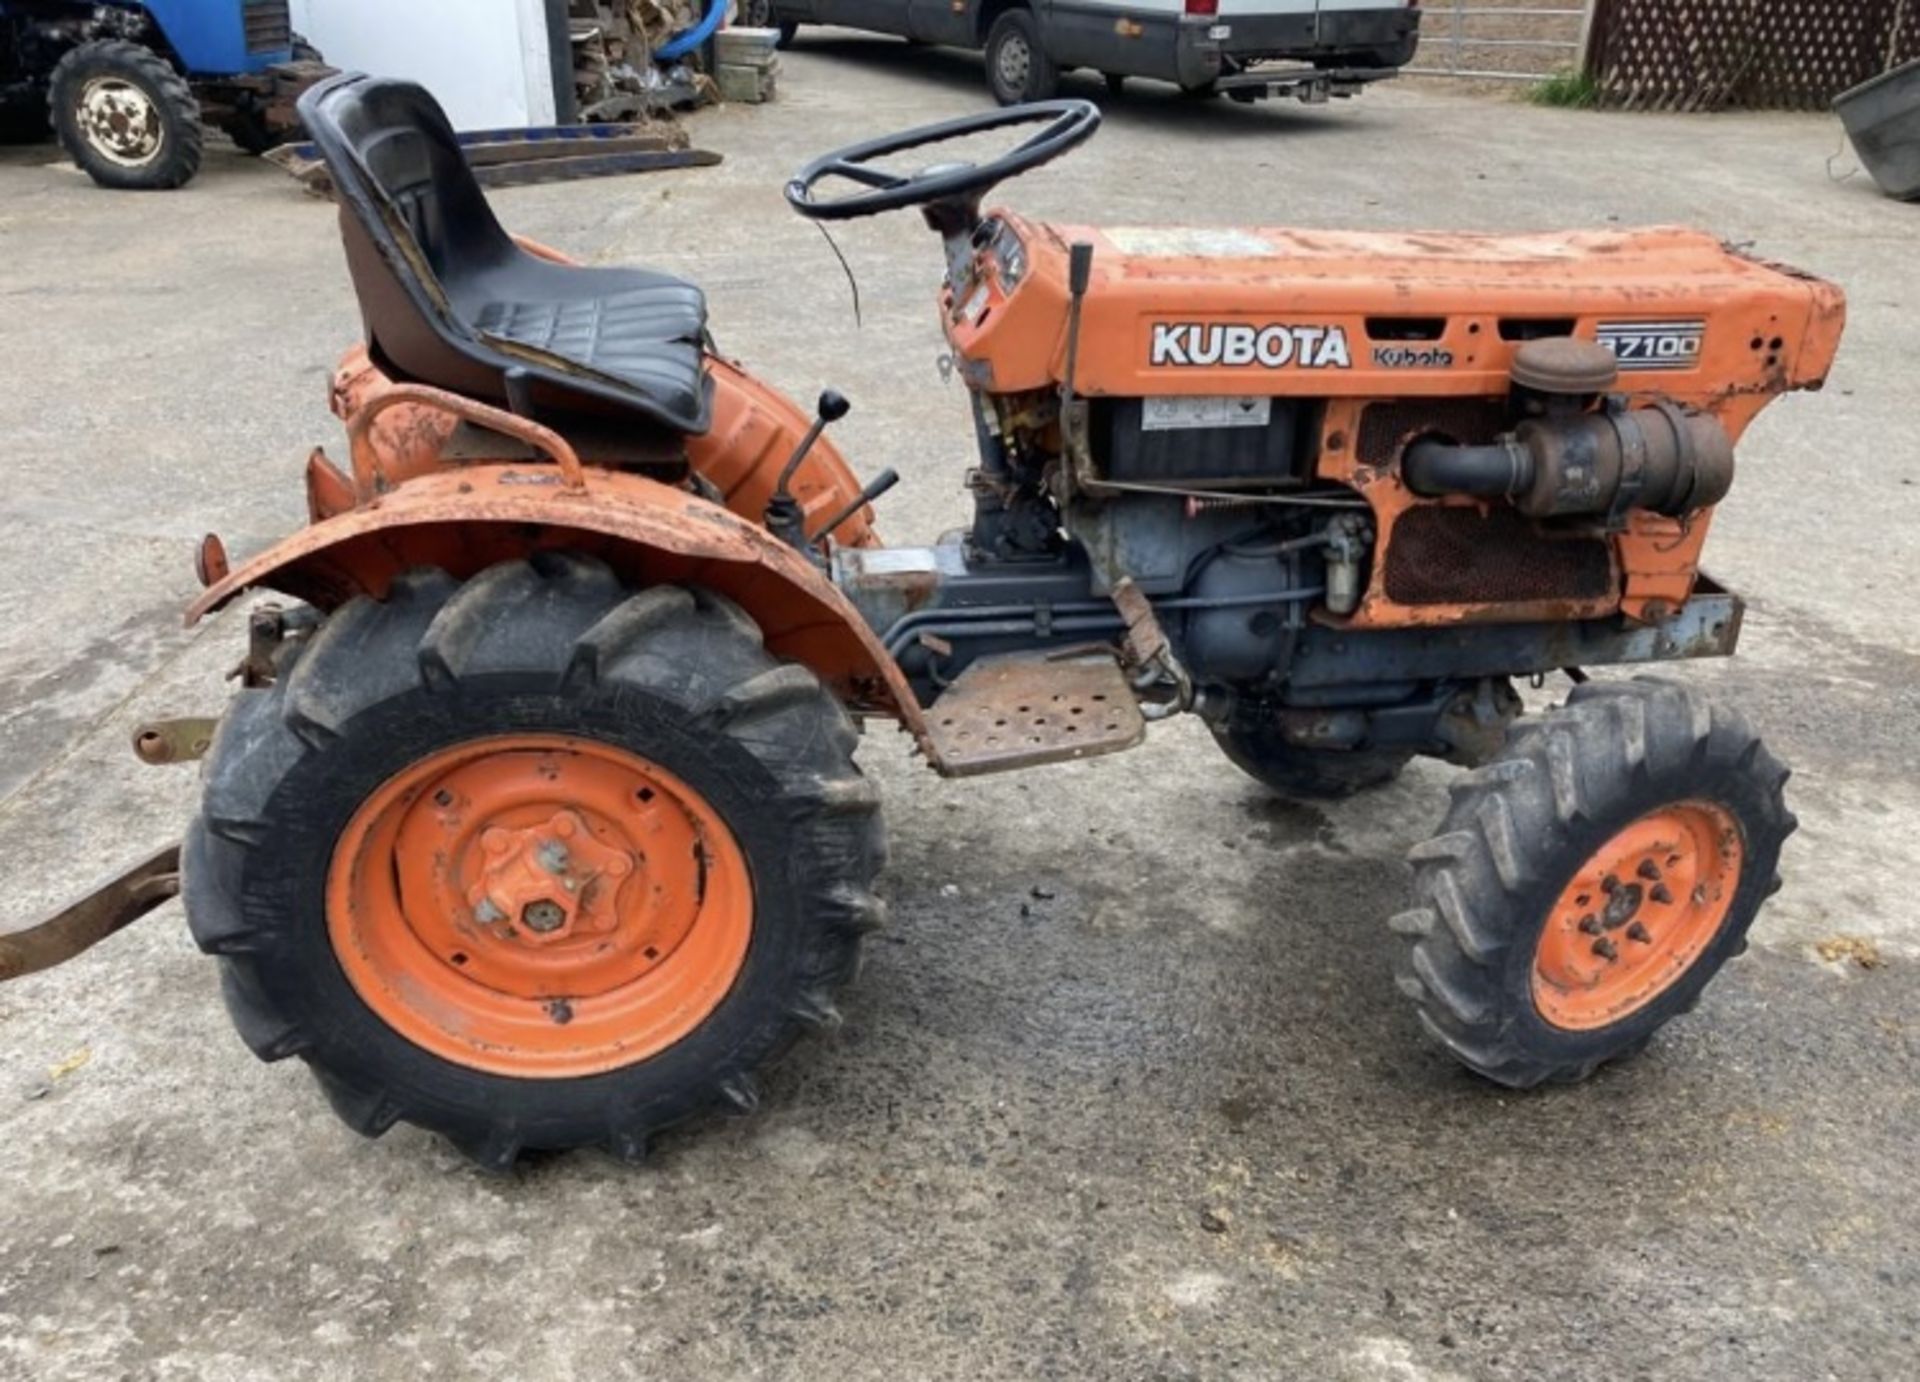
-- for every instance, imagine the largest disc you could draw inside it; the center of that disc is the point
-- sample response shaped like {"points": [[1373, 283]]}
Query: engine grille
{"points": [[1446, 555], [1465, 421], [269, 26]]}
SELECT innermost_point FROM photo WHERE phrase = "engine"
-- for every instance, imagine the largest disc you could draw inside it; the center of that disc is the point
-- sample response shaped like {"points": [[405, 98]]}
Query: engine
{"points": [[1236, 447]]}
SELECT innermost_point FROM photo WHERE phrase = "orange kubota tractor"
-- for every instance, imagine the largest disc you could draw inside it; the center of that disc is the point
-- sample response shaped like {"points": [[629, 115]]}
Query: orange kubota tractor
{"points": [[537, 821]]}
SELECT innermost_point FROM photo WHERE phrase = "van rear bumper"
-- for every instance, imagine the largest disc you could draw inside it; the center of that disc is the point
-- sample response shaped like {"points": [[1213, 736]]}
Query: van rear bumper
{"points": [[1200, 51], [1383, 38]]}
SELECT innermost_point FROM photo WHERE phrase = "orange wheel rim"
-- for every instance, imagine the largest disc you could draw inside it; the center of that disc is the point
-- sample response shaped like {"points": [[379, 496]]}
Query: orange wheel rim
{"points": [[1637, 915], [539, 906]]}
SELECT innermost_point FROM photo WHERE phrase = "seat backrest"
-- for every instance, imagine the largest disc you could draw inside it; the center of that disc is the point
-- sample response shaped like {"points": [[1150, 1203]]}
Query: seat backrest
{"points": [[412, 216]]}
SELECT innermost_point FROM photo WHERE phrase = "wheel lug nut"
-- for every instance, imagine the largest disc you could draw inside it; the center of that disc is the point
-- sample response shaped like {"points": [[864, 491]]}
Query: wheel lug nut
{"points": [[1661, 893], [1609, 885], [1590, 924], [1649, 870], [1606, 949], [1638, 932]]}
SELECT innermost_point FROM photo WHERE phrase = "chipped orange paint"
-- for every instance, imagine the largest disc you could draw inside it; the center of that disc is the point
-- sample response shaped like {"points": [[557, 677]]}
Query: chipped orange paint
{"points": [[1637, 916], [467, 518], [539, 906], [754, 430], [1769, 329]]}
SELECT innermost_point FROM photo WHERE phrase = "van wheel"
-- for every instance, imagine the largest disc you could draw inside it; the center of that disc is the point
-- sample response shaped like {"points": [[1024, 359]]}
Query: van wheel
{"points": [[1018, 68]]}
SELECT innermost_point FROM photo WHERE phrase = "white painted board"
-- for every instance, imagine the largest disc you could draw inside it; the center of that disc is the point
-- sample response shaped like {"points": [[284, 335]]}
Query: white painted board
{"points": [[487, 61]]}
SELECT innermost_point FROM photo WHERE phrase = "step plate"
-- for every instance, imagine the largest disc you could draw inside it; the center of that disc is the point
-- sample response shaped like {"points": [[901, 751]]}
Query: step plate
{"points": [[1018, 712]]}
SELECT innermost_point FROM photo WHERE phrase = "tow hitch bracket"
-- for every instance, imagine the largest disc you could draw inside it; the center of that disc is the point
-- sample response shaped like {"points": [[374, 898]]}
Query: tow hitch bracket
{"points": [[116, 903]]}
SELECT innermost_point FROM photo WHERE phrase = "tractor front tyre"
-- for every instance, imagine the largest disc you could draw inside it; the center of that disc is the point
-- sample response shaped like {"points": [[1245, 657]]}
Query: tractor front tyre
{"points": [[1018, 67], [535, 861], [125, 116], [1256, 746], [1588, 883]]}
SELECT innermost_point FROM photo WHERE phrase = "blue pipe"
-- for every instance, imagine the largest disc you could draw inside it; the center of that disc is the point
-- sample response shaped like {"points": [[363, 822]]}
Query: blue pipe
{"points": [[688, 39]]}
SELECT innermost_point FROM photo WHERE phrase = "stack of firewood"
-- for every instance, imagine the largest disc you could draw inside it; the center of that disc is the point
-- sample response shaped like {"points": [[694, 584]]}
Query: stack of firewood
{"points": [[614, 73]]}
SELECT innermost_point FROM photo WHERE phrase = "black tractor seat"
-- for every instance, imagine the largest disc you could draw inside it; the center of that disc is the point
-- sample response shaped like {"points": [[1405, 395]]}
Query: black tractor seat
{"points": [[451, 300]]}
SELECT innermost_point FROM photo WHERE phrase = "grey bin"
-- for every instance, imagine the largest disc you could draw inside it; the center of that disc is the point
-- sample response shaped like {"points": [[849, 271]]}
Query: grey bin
{"points": [[1883, 120]]}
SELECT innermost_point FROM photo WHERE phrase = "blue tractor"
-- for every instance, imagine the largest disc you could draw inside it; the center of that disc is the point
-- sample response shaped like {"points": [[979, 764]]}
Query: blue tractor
{"points": [[130, 86]]}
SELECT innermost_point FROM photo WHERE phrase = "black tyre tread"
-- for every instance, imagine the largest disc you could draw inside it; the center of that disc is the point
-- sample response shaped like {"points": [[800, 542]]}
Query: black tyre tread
{"points": [[182, 158], [1560, 772], [693, 649]]}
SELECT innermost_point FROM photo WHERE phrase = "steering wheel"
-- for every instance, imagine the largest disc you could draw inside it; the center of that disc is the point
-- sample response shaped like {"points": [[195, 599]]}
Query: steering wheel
{"points": [[1065, 125]]}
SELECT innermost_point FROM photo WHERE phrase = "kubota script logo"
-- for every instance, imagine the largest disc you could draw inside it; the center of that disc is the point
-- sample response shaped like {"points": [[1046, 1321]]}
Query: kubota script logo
{"points": [[1272, 347]]}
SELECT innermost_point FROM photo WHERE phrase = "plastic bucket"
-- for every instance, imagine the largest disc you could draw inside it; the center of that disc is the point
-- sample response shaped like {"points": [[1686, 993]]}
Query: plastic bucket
{"points": [[1883, 120]]}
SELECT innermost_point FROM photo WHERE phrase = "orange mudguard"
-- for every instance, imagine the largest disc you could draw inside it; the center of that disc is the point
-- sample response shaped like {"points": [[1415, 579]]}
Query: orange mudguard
{"points": [[467, 518]]}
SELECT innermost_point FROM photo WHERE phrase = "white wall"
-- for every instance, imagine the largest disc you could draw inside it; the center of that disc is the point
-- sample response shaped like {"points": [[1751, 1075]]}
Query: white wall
{"points": [[486, 60]]}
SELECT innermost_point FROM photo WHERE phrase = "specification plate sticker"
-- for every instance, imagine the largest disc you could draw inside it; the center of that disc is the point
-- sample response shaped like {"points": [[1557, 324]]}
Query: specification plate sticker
{"points": [[1179, 414]]}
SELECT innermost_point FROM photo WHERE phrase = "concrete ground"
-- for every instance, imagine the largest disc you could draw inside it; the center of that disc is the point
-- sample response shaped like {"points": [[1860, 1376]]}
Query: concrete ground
{"points": [[1127, 1090]]}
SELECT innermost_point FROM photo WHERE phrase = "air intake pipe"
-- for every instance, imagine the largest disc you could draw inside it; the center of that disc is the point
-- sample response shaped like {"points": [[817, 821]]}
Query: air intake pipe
{"points": [[1662, 458]]}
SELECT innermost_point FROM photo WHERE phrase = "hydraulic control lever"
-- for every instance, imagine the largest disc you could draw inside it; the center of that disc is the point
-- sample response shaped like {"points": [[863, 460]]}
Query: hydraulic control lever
{"points": [[1073, 414], [876, 487], [784, 517]]}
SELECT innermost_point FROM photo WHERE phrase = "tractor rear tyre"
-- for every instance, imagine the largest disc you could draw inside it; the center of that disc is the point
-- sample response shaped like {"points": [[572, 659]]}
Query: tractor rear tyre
{"points": [[535, 861], [1256, 746], [125, 116], [1018, 68], [1588, 883]]}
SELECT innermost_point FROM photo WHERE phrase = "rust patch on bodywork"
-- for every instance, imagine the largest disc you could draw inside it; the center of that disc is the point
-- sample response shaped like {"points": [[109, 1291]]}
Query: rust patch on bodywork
{"points": [[466, 519]]}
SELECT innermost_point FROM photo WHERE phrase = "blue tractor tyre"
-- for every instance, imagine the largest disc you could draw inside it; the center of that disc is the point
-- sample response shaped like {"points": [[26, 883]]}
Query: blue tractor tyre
{"points": [[126, 116]]}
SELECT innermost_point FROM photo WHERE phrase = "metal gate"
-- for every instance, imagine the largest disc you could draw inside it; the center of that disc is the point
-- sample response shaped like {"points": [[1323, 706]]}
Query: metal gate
{"points": [[1527, 41]]}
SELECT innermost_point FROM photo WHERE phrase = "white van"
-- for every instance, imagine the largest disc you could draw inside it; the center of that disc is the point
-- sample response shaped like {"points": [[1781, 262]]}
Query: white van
{"points": [[1206, 47]]}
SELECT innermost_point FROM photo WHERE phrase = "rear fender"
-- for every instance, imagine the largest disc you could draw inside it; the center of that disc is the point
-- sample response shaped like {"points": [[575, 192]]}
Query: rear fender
{"points": [[464, 520], [755, 428]]}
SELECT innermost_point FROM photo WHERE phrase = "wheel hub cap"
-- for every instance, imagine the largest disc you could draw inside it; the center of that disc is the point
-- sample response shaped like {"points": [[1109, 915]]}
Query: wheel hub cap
{"points": [[537, 882], [1014, 63], [121, 121], [1636, 916], [539, 906]]}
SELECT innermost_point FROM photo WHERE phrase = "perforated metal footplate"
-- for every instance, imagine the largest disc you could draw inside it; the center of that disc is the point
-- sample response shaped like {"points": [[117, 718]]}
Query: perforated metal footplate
{"points": [[1016, 712]]}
